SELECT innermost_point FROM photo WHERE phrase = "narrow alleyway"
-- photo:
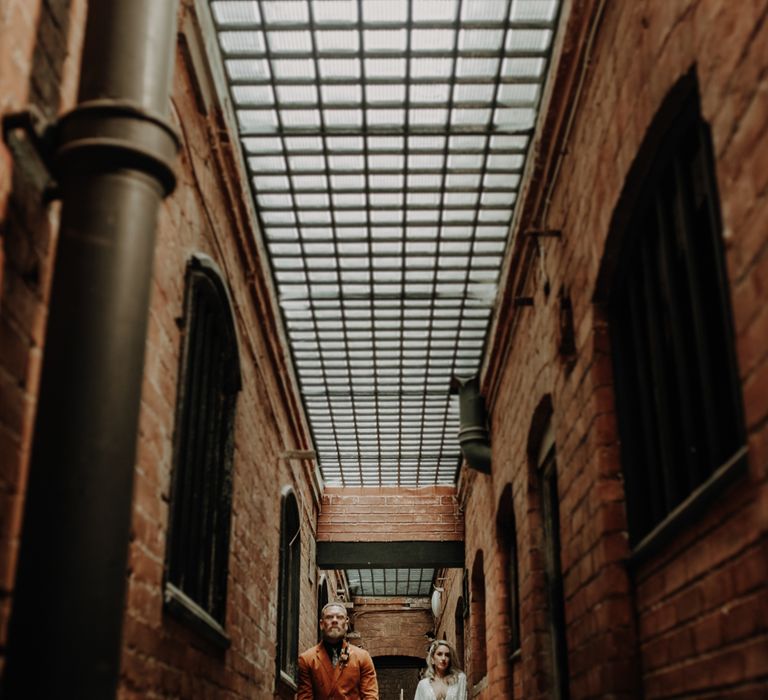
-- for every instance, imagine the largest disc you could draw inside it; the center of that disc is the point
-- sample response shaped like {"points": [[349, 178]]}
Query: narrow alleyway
{"points": [[451, 312]]}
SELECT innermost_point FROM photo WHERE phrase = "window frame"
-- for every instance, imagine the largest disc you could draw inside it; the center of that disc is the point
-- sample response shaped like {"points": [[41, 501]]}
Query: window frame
{"points": [[506, 529], [546, 470], [202, 604], [667, 483], [289, 584]]}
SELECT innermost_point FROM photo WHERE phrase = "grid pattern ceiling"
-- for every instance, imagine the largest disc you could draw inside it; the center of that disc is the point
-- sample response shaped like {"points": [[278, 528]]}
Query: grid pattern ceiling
{"points": [[413, 583], [385, 142]]}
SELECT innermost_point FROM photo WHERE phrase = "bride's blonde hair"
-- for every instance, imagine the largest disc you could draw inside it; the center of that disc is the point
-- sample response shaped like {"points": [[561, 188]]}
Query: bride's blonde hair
{"points": [[453, 671]]}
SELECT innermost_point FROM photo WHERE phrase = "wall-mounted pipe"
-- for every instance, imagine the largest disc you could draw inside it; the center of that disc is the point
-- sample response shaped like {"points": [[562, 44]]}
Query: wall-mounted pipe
{"points": [[114, 164], [473, 431]]}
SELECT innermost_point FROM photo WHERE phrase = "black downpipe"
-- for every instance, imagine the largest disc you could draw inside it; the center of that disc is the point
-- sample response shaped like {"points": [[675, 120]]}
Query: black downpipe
{"points": [[473, 431], [114, 165]]}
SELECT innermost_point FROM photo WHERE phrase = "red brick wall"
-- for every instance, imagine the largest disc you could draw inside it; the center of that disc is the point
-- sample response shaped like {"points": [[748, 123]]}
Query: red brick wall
{"points": [[39, 54], [389, 514], [393, 626], [700, 603], [207, 213]]}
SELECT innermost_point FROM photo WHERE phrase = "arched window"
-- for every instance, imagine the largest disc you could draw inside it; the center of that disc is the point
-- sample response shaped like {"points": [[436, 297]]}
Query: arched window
{"points": [[478, 660], [288, 588], [201, 496], [678, 394], [507, 540], [546, 467]]}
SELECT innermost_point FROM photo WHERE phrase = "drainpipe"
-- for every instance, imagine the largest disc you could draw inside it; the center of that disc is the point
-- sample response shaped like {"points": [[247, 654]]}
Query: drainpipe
{"points": [[473, 433], [113, 164]]}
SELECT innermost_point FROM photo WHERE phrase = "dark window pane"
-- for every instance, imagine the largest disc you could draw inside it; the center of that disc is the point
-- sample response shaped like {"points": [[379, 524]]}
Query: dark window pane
{"points": [[198, 543], [290, 570], [677, 388]]}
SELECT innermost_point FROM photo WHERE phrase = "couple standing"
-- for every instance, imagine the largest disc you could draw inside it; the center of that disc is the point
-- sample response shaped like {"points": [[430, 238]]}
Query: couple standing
{"points": [[334, 669]]}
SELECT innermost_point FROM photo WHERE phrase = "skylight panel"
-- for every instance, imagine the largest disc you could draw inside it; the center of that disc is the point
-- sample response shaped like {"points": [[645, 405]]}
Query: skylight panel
{"points": [[295, 94], [251, 69], [385, 11], [431, 93], [267, 163], [522, 68], [427, 117], [387, 93], [277, 12], [480, 39], [483, 10], [339, 68], [434, 68], [384, 40], [236, 13], [337, 41], [384, 67], [254, 121], [241, 42], [476, 67], [431, 40], [433, 11], [342, 94], [335, 12], [289, 42], [293, 68], [533, 10], [385, 142]]}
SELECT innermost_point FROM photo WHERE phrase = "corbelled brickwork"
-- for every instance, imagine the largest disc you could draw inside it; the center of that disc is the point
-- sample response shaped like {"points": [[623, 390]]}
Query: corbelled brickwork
{"points": [[390, 514]]}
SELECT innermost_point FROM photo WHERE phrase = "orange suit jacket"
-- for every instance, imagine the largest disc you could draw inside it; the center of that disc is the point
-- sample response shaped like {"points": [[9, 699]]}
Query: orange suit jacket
{"points": [[353, 680]]}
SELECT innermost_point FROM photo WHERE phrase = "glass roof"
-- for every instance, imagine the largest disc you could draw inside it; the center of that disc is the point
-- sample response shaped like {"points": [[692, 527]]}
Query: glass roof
{"points": [[385, 141], [413, 583]]}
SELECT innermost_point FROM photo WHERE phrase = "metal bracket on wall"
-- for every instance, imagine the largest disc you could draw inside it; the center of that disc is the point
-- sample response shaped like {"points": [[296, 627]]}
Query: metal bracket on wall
{"points": [[40, 136]]}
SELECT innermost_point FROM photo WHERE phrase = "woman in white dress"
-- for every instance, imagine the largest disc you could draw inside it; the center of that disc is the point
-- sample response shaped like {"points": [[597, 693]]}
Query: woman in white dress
{"points": [[443, 679]]}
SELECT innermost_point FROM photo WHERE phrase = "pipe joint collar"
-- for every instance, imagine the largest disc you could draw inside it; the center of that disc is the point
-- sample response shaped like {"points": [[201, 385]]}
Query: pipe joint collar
{"points": [[111, 134]]}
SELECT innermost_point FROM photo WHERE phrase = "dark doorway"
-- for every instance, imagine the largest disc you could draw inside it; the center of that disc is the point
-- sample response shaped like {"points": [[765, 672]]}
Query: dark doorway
{"points": [[398, 676]]}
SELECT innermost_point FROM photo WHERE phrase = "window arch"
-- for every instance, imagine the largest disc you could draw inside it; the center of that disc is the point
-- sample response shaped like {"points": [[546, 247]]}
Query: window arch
{"points": [[201, 494], [478, 659], [678, 394], [288, 587], [546, 471], [506, 532]]}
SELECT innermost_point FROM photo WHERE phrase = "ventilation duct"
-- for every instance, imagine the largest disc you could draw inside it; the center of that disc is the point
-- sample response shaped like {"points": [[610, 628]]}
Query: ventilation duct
{"points": [[473, 433]]}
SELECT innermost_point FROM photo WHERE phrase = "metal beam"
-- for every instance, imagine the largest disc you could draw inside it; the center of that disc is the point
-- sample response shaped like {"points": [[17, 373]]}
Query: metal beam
{"points": [[390, 555]]}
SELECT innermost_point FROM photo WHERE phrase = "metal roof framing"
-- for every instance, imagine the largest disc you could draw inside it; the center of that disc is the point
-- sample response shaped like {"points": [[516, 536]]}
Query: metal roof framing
{"points": [[385, 141]]}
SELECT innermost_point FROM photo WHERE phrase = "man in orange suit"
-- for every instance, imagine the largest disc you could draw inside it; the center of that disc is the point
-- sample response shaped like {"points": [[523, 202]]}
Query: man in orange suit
{"points": [[335, 669]]}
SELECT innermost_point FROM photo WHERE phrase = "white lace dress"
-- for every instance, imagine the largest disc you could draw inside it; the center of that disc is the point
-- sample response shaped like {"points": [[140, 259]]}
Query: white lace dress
{"points": [[457, 691]]}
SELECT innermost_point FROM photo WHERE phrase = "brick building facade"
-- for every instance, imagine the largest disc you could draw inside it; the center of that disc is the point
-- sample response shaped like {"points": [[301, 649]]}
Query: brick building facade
{"points": [[596, 606]]}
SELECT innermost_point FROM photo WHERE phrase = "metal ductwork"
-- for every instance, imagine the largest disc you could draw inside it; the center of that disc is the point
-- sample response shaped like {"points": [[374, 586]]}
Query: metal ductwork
{"points": [[113, 161], [473, 431]]}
